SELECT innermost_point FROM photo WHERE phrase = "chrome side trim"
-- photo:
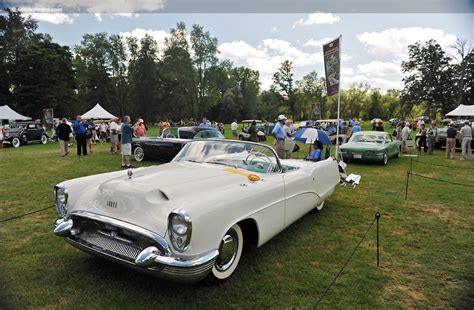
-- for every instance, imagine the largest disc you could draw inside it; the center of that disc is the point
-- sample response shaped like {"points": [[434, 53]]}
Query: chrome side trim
{"points": [[179, 263], [140, 230]]}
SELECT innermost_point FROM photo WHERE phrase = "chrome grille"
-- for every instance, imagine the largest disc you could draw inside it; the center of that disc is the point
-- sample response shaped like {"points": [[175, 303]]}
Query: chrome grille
{"points": [[108, 239]]}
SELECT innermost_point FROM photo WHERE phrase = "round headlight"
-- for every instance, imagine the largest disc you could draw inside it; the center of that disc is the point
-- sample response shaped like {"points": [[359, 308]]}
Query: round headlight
{"points": [[61, 196], [179, 224]]}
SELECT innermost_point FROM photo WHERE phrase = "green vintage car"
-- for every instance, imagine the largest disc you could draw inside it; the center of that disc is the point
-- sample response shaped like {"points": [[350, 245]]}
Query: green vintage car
{"points": [[376, 146]]}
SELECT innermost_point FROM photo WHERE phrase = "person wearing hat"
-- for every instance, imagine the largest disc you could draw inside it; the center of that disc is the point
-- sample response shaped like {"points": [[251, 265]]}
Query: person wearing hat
{"points": [[279, 134], [451, 141], [432, 137], [356, 127], [466, 138], [139, 130]]}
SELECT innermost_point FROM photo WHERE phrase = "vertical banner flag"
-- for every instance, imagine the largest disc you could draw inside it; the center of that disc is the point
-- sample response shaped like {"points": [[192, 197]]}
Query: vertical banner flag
{"points": [[332, 66]]}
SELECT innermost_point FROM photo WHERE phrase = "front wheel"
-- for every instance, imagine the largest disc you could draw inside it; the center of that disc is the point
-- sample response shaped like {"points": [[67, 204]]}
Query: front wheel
{"points": [[241, 138], [138, 154], [385, 158], [16, 142], [44, 139], [230, 251]]}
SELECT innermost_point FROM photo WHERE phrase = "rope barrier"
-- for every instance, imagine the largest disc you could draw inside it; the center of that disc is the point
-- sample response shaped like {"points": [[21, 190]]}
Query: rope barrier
{"points": [[440, 180], [22, 215], [377, 216]]}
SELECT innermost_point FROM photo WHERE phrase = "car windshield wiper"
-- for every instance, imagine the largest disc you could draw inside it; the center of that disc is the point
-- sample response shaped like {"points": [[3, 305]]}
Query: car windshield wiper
{"points": [[216, 163]]}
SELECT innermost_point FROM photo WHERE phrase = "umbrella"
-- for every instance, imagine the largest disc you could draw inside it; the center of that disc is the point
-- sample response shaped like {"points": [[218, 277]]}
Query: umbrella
{"points": [[309, 135]]}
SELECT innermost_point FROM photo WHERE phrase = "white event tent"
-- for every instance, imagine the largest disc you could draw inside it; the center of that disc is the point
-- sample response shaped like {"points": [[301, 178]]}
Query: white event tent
{"points": [[9, 114], [97, 112], [462, 110]]}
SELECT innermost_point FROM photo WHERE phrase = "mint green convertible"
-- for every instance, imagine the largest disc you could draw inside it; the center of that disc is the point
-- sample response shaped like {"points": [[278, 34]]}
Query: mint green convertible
{"points": [[376, 146]]}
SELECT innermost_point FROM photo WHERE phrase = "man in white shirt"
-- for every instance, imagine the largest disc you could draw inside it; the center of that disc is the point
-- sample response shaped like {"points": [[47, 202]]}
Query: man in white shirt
{"points": [[233, 127], [405, 135], [466, 138], [114, 129]]}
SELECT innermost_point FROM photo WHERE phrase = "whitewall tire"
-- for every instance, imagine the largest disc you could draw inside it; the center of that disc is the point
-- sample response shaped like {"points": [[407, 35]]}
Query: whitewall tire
{"points": [[138, 154], [44, 139], [16, 142], [230, 251]]}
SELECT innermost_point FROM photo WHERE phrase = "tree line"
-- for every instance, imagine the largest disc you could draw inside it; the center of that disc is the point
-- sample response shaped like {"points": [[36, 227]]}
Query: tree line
{"points": [[184, 79]]}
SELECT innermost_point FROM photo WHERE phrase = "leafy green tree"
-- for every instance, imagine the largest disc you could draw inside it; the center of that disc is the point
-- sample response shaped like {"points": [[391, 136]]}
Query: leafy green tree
{"points": [[94, 53], [118, 62], [283, 83], [430, 79], [464, 71], [311, 90], [16, 33], [205, 51], [45, 78], [143, 76], [178, 86]]}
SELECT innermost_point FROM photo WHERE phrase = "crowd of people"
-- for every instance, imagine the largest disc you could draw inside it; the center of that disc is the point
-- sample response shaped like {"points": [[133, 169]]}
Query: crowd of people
{"points": [[120, 132]]}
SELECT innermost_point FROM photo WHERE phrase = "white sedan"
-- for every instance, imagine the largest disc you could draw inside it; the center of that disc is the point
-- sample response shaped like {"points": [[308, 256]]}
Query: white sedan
{"points": [[188, 219]]}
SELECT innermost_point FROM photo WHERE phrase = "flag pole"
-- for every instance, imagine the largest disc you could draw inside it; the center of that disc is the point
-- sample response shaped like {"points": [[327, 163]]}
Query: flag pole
{"points": [[338, 99]]}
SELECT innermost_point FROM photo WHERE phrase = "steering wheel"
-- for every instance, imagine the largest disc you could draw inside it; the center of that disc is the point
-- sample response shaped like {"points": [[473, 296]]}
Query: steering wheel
{"points": [[252, 161]]}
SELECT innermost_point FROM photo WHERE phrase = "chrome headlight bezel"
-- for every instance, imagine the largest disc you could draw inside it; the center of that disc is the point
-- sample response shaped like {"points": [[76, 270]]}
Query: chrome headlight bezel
{"points": [[180, 229], [61, 196]]}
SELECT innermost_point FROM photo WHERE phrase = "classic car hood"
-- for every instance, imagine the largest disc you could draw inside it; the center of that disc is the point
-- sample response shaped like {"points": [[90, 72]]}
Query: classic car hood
{"points": [[362, 146], [147, 198]]}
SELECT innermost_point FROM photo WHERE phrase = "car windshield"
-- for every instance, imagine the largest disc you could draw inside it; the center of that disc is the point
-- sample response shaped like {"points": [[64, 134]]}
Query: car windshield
{"points": [[368, 137], [209, 134], [239, 155]]}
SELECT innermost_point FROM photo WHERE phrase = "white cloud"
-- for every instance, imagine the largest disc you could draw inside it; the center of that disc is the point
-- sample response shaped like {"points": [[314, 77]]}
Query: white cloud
{"points": [[99, 16], [317, 43], [374, 82], [395, 41], [346, 71], [317, 18], [139, 33], [379, 68], [53, 18], [268, 56]]}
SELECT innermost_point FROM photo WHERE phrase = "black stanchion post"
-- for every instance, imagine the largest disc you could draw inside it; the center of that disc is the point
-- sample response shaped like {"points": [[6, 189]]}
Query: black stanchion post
{"points": [[406, 189], [377, 216], [411, 164]]}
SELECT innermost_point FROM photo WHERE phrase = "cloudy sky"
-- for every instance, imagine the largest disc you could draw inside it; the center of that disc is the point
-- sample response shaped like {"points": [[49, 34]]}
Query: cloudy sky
{"points": [[373, 44]]}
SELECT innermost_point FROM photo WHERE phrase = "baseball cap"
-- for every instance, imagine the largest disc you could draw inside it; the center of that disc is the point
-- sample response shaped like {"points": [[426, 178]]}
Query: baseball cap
{"points": [[281, 117]]}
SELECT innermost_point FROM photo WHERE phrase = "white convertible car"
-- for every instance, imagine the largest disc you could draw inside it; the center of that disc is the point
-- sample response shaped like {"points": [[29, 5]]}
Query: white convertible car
{"points": [[188, 219]]}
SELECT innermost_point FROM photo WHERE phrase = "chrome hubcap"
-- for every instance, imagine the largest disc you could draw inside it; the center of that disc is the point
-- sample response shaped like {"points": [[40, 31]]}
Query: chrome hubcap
{"points": [[227, 251], [139, 154]]}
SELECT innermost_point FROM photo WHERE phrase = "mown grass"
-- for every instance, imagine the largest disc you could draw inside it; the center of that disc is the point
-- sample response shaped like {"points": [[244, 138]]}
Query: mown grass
{"points": [[427, 245]]}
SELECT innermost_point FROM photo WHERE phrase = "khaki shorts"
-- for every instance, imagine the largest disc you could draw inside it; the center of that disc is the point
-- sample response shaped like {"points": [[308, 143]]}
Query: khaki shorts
{"points": [[114, 139], [127, 149]]}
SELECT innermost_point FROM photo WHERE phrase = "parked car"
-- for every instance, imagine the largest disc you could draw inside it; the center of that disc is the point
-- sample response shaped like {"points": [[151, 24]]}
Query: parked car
{"points": [[165, 147], [329, 127], [245, 136], [371, 146], [188, 219], [20, 133], [442, 136]]}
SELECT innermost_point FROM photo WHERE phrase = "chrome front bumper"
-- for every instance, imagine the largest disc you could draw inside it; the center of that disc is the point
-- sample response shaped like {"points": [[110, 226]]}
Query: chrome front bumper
{"points": [[132, 246]]}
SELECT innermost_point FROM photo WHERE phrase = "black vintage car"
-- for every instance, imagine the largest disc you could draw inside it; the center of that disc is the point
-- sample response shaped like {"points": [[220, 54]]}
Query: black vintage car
{"points": [[19, 133], [165, 147], [442, 136]]}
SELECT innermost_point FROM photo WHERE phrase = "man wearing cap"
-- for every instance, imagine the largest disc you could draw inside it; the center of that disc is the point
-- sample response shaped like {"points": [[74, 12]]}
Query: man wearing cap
{"points": [[450, 141], [356, 127], [139, 129], [466, 138], [279, 134]]}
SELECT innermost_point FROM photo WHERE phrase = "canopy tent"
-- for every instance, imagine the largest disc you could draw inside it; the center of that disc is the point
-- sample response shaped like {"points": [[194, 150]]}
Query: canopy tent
{"points": [[7, 113], [462, 110], [97, 112]]}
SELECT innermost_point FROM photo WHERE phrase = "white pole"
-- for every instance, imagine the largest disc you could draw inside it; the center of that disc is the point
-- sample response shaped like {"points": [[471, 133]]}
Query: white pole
{"points": [[338, 99]]}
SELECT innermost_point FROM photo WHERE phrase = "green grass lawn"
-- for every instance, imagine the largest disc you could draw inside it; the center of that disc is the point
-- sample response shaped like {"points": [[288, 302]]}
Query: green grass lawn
{"points": [[427, 245]]}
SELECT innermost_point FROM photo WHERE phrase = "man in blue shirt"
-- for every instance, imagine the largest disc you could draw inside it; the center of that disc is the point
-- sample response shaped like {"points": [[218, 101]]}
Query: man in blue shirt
{"points": [[317, 153], [126, 142], [205, 123], [80, 130], [356, 127], [279, 134]]}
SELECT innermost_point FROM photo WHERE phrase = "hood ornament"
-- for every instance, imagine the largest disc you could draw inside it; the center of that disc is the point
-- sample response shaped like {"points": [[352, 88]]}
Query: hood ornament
{"points": [[130, 173]]}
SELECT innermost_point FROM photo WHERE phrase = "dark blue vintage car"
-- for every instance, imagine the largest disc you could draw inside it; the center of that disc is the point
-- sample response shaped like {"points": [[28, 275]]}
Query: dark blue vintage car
{"points": [[165, 147]]}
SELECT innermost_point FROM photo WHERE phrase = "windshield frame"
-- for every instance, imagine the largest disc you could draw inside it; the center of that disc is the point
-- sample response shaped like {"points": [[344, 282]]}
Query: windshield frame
{"points": [[379, 134], [272, 150]]}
